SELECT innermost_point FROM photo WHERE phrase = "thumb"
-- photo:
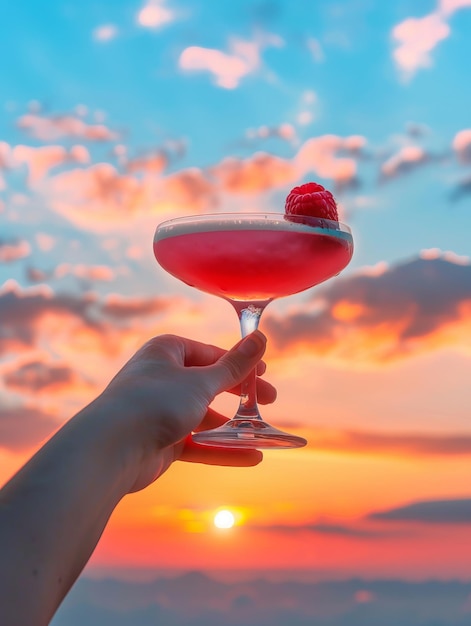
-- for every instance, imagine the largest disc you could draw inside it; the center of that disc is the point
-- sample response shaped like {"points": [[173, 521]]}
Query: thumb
{"points": [[238, 362]]}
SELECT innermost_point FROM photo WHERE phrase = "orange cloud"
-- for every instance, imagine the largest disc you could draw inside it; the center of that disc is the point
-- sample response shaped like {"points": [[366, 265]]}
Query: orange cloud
{"points": [[96, 194], [369, 318], [153, 164], [411, 445], [41, 160], [28, 315], [258, 173]]}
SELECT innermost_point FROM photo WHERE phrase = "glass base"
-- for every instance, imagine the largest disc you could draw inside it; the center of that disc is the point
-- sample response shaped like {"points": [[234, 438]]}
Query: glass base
{"points": [[248, 433]]}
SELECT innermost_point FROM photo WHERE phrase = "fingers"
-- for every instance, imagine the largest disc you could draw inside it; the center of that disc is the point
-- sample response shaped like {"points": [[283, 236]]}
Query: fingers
{"points": [[212, 455], [187, 352], [266, 393], [236, 364]]}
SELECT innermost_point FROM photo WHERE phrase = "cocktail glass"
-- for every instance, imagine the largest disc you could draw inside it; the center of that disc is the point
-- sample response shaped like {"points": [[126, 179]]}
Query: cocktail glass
{"points": [[249, 259]]}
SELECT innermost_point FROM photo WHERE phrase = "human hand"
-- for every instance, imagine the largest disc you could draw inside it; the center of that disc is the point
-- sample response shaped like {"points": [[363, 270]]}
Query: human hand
{"points": [[167, 387]]}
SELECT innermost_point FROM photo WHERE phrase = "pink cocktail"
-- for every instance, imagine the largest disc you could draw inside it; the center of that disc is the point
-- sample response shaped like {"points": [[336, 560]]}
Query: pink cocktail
{"points": [[250, 259]]}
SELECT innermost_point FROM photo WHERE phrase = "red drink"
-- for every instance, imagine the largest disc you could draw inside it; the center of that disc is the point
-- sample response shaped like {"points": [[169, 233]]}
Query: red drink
{"points": [[253, 261]]}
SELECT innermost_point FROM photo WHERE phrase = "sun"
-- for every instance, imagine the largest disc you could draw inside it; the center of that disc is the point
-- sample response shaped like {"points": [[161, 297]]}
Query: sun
{"points": [[224, 519]]}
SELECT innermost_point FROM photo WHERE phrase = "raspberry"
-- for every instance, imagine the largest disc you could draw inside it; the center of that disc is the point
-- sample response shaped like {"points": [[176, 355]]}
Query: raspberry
{"points": [[312, 200]]}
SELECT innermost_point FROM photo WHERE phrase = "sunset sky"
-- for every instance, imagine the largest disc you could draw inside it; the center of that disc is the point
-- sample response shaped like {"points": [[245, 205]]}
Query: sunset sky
{"points": [[118, 115]]}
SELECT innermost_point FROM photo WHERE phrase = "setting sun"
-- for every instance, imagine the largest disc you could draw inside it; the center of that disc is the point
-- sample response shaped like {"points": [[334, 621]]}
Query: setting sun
{"points": [[224, 519]]}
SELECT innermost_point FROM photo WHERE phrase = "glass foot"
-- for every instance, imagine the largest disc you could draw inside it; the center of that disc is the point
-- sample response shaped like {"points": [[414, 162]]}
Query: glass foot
{"points": [[244, 433]]}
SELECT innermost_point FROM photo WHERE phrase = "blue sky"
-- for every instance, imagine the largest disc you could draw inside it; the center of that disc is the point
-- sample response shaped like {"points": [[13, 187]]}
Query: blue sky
{"points": [[117, 115]]}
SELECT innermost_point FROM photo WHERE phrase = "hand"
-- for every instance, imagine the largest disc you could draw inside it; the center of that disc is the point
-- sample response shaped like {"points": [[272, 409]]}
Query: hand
{"points": [[167, 387]]}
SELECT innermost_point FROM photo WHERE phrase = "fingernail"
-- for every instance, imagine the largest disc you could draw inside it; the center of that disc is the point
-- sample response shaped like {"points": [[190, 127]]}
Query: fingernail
{"points": [[252, 345]]}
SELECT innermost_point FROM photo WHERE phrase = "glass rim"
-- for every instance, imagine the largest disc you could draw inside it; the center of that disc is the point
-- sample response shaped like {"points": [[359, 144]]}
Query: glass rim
{"points": [[268, 216]]}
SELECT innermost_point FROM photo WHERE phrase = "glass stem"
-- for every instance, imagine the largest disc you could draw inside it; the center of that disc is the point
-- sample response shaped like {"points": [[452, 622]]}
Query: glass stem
{"points": [[249, 316]]}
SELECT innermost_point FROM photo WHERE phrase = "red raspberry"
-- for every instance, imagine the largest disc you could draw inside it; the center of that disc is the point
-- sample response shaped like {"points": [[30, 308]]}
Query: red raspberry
{"points": [[313, 200]]}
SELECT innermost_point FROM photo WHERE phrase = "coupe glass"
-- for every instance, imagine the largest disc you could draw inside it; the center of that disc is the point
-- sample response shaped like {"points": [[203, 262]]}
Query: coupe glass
{"points": [[249, 259]]}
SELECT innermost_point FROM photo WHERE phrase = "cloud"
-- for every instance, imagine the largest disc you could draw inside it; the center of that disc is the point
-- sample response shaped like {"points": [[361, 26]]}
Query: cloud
{"points": [[260, 600], [24, 427], [188, 190], [227, 68], [258, 173], [105, 33], [354, 531], [14, 250], [154, 14], [37, 377], [394, 444], [100, 195], [150, 164], [320, 155], [451, 511], [41, 160], [5, 155], [462, 189], [64, 126], [286, 132], [417, 38], [27, 314], [410, 308], [405, 160], [96, 194], [462, 145]]}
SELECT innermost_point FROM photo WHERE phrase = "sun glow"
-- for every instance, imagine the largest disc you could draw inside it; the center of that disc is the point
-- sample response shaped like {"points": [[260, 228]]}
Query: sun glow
{"points": [[224, 519]]}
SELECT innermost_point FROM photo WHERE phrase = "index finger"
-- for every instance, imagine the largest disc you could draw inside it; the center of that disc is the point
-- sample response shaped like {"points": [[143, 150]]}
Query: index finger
{"points": [[197, 354]]}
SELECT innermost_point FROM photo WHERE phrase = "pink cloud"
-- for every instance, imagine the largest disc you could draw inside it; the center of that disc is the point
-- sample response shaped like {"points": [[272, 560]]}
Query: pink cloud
{"points": [[462, 145], [14, 250], [228, 68], [59, 126], [106, 32], [5, 155], [319, 155], [416, 38], [154, 14], [287, 132], [448, 7], [404, 160], [85, 272]]}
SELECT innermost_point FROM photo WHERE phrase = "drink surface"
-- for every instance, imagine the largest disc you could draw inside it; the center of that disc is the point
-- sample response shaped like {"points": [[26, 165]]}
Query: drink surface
{"points": [[252, 262]]}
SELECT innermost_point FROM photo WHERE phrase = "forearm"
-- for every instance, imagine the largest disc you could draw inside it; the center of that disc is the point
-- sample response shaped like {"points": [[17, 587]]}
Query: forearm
{"points": [[54, 510]]}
